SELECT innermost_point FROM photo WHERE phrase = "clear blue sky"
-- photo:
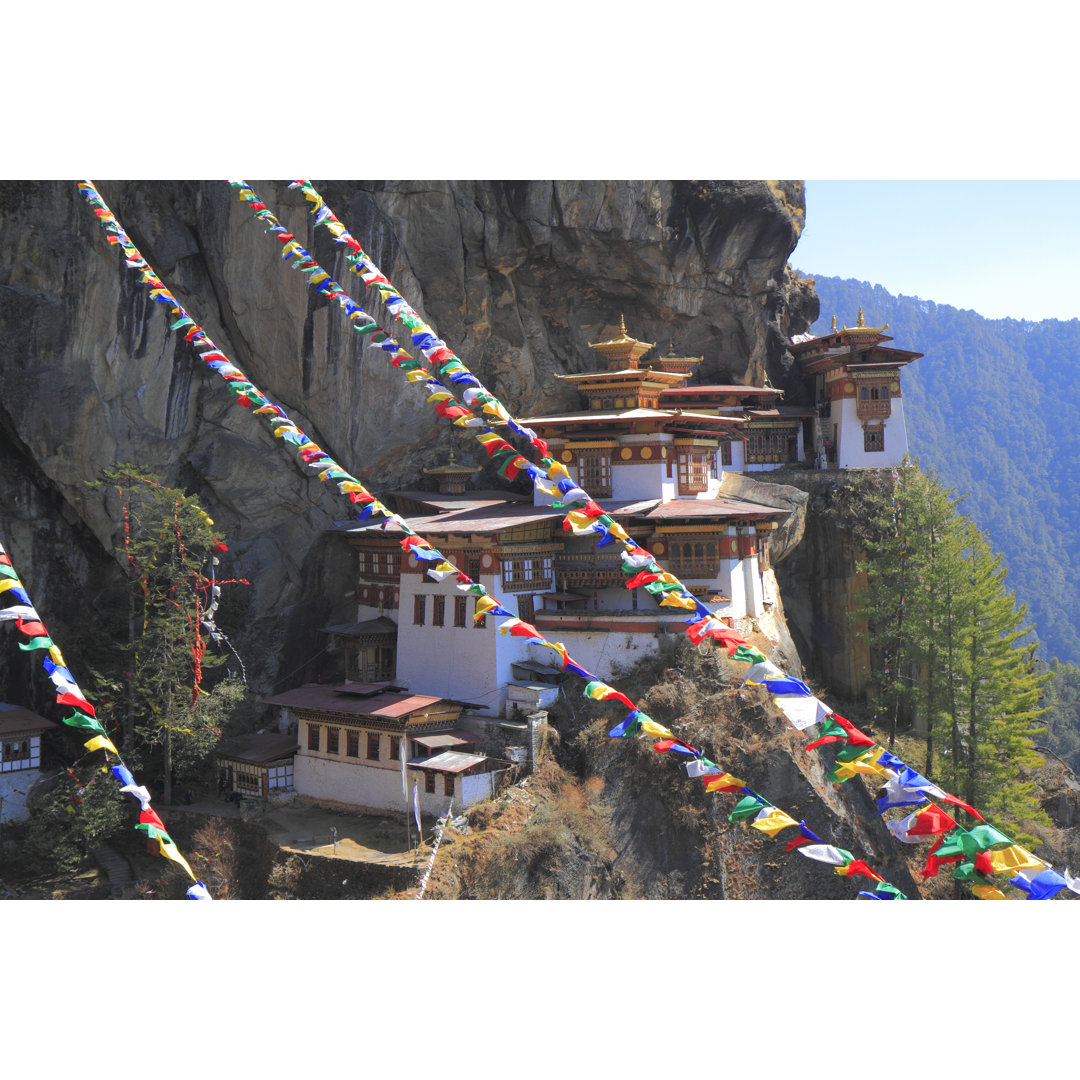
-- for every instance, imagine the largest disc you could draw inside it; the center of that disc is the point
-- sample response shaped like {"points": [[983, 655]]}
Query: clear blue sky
{"points": [[1003, 248]]}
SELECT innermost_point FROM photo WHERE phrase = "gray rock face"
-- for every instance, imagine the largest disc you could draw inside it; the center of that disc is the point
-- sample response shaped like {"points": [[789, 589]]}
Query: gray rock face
{"points": [[516, 276]]}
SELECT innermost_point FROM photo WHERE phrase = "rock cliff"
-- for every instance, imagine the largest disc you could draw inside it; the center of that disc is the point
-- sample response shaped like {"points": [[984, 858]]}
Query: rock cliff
{"points": [[517, 276]]}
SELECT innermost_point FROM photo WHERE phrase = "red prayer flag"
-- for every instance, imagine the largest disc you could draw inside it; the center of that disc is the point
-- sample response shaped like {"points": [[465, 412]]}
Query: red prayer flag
{"points": [[854, 736], [931, 821], [963, 805], [857, 866], [32, 628], [149, 817], [76, 702]]}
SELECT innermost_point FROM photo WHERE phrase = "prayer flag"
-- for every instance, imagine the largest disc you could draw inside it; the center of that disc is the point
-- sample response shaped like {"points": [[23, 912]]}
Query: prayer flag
{"points": [[749, 806], [1043, 886], [198, 891], [771, 820], [101, 742], [723, 782], [801, 712], [826, 853]]}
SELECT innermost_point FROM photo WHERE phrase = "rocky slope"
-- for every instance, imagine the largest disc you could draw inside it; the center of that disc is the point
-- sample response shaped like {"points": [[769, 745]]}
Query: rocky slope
{"points": [[517, 276]]}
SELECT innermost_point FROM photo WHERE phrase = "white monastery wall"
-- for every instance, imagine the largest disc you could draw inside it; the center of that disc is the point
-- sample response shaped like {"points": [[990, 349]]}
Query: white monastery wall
{"points": [[850, 451]]}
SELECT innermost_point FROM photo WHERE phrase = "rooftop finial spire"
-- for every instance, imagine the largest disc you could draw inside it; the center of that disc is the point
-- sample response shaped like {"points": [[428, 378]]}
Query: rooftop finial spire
{"points": [[622, 324], [833, 322], [860, 321]]}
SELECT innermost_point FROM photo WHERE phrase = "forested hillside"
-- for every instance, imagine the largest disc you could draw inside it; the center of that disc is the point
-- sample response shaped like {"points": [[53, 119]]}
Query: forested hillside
{"points": [[994, 407]]}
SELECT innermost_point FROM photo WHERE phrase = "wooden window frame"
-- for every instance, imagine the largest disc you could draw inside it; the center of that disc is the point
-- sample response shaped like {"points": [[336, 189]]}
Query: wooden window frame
{"points": [[352, 743], [438, 609], [314, 736], [429, 782], [594, 472], [461, 611], [448, 784], [373, 746], [873, 440], [333, 740], [694, 471], [419, 609], [395, 747]]}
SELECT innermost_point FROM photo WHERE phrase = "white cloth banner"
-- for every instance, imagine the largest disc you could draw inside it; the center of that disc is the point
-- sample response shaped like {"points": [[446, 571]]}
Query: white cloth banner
{"points": [[825, 853], [801, 711], [758, 672]]}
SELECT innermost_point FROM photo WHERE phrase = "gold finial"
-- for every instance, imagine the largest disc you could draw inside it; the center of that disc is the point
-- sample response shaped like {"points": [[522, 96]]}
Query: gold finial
{"points": [[860, 322], [622, 324], [833, 323], [671, 347]]}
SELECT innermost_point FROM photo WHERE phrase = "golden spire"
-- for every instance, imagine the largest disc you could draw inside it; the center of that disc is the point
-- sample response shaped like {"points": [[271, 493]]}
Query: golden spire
{"points": [[622, 325], [833, 327], [860, 322]]}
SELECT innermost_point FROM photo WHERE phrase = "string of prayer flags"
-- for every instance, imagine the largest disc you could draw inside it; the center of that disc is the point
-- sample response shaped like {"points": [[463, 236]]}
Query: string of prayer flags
{"points": [[84, 718]]}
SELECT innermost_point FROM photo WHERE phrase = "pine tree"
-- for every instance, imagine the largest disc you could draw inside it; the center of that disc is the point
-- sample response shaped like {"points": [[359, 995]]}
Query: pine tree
{"points": [[959, 649]]}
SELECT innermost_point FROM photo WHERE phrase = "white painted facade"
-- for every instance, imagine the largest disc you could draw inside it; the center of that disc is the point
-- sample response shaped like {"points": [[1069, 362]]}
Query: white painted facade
{"points": [[20, 770], [850, 442], [459, 662]]}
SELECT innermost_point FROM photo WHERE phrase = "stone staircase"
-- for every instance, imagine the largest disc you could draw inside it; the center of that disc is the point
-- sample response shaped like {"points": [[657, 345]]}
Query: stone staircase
{"points": [[118, 870]]}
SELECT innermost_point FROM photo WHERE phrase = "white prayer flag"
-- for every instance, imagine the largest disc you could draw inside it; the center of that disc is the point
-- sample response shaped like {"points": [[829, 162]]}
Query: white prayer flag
{"points": [[801, 711], [759, 672], [416, 805], [825, 853]]}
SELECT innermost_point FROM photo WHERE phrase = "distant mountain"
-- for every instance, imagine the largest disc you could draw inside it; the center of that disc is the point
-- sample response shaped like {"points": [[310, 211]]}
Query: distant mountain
{"points": [[994, 407]]}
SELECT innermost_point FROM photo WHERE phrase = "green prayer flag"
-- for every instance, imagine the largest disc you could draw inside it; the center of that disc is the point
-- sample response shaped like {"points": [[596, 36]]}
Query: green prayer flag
{"points": [[952, 846], [748, 654], [367, 328], [8, 571], [154, 833], [964, 872], [747, 807], [852, 753], [892, 890], [79, 720], [980, 838], [37, 643]]}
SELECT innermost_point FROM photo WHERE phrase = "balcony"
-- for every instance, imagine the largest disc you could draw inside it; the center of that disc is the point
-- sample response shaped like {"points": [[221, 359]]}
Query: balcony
{"points": [[587, 570], [873, 410]]}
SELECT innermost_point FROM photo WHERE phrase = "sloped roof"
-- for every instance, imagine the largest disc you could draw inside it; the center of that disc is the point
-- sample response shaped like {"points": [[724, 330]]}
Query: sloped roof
{"points": [[258, 747], [15, 720]]}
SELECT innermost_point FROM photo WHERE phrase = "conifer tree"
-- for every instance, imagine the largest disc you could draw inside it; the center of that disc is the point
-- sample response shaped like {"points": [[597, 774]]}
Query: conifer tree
{"points": [[960, 650]]}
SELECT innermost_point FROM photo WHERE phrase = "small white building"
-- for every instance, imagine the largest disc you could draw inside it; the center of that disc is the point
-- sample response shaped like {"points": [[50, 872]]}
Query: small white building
{"points": [[860, 410], [20, 758], [367, 745]]}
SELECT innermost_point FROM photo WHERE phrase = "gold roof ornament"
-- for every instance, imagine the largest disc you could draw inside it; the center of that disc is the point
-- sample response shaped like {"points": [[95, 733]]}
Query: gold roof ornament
{"points": [[861, 327], [452, 476], [833, 327], [622, 348]]}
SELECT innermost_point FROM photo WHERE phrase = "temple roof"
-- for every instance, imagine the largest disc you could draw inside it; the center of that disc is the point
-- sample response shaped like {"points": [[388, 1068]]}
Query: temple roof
{"points": [[15, 720], [353, 701]]}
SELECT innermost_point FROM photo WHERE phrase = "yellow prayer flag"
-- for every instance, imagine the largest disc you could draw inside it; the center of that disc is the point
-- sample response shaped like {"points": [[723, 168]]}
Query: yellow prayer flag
{"points": [[171, 851], [101, 742], [57, 656], [318, 276], [557, 468], [771, 820], [651, 727], [988, 892], [616, 530], [418, 376], [675, 600], [9, 583], [351, 485], [1013, 859]]}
